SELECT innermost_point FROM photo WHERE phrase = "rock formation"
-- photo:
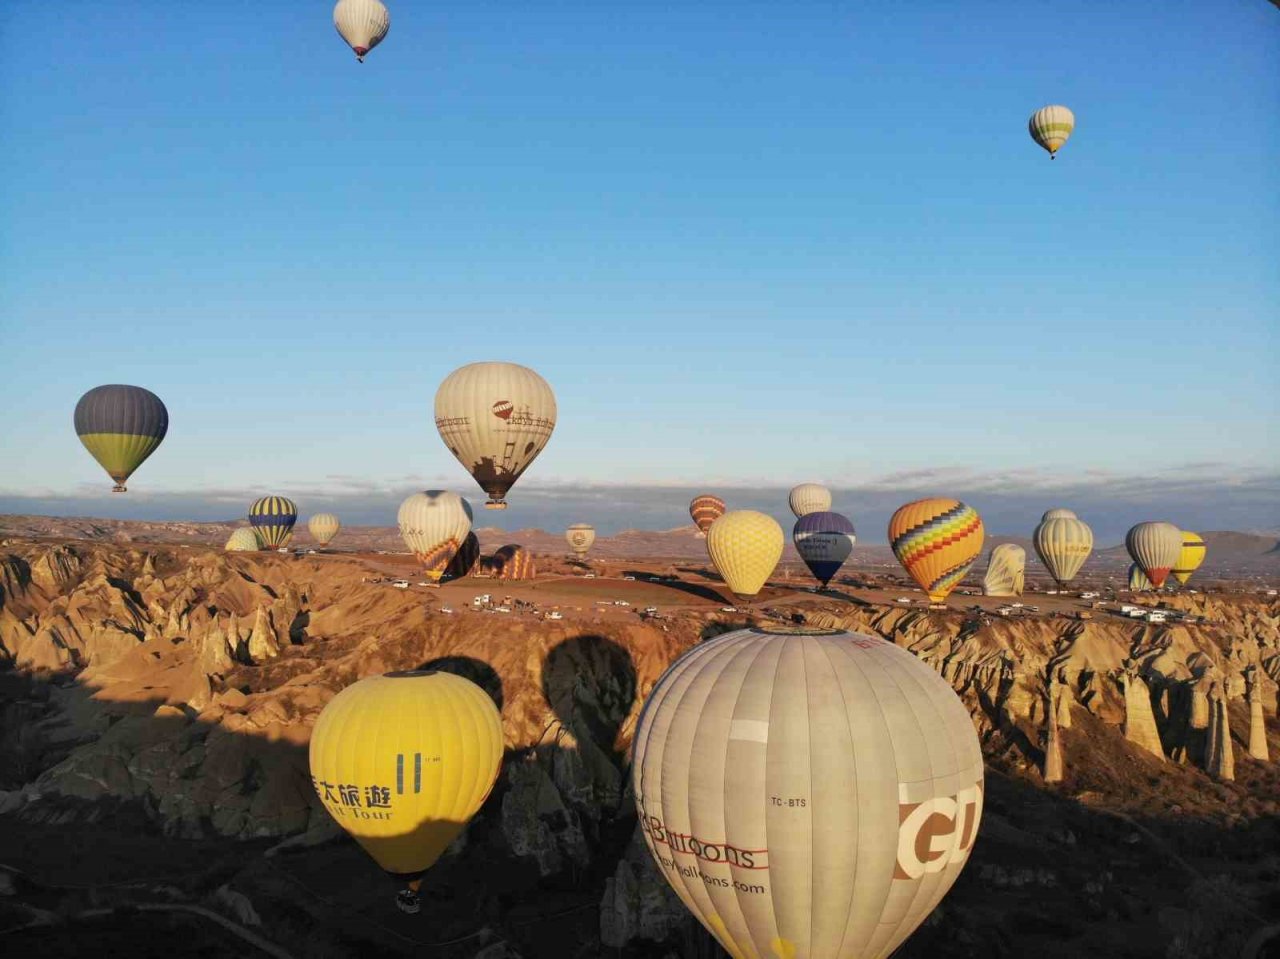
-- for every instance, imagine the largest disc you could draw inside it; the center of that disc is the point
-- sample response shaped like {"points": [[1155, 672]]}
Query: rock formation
{"points": [[1257, 722], [1139, 722], [1219, 755]]}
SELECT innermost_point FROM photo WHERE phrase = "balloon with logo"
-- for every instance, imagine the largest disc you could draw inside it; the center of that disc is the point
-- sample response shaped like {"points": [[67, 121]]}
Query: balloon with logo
{"points": [[242, 540], [1189, 560], [1050, 126], [705, 510], [323, 527], [745, 547], [1156, 548], [402, 762], [120, 426], [580, 536], [1063, 542], [1138, 582], [363, 24], [824, 541], [936, 541], [809, 498], [807, 792], [272, 518], [1006, 571], [434, 524], [495, 418]]}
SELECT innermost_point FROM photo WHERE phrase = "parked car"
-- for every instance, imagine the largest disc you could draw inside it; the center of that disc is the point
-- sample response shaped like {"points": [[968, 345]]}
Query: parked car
{"points": [[401, 584]]}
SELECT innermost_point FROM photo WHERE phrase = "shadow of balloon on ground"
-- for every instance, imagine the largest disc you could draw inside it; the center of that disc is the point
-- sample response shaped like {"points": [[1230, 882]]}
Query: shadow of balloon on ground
{"points": [[693, 589], [476, 670]]}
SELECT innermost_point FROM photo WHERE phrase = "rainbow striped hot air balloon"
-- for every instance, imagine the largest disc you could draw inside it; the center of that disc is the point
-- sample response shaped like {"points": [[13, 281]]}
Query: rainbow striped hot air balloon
{"points": [[705, 510], [936, 541], [272, 518]]}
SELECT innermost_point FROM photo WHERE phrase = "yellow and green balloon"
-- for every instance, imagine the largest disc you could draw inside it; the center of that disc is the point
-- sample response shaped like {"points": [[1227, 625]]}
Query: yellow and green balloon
{"points": [[120, 426]]}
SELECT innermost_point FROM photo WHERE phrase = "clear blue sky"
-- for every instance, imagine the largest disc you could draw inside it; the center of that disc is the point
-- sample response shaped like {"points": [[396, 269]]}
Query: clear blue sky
{"points": [[746, 243]]}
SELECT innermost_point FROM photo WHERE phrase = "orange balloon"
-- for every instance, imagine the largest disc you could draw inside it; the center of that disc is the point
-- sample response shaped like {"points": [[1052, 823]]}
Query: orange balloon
{"points": [[936, 541]]}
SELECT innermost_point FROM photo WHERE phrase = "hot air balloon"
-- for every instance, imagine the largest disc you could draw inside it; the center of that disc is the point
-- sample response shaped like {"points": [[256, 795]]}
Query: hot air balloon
{"points": [[1005, 571], [809, 498], [745, 547], [1155, 547], [1189, 560], [465, 559], [807, 793], [824, 541], [434, 524], [495, 418], [323, 527], [402, 762], [1063, 542], [120, 426], [242, 540], [705, 510], [1050, 126], [514, 562], [580, 536], [272, 518], [1138, 582], [362, 23], [936, 541]]}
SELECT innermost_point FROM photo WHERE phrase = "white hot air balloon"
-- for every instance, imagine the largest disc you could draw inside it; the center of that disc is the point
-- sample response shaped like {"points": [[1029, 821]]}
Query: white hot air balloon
{"points": [[323, 527], [809, 498], [243, 540], [808, 794], [1050, 126], [1063, 542], [362, 23], [1006, 571], [495, 418], [434, 524]]}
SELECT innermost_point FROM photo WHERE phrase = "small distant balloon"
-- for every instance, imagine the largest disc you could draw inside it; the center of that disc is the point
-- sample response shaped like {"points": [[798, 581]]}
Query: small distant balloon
{"points": [[1189, 560], [1006, 571], [580, 536], [1051, 126], [1138, 582], [1063, 542], [362, 23], [705, 509], [243, 540], [809, 498], [323, 527], [272, 518]]}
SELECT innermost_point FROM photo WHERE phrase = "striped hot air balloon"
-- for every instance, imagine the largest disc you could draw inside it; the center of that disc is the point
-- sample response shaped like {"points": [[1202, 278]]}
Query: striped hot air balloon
{"points": [[434, 524], [1006, 571], [465, 559], [809, 498], [1138, 582], [936, 541], [1050, 126], [745, 547], [323, 527], [120, 426], [514, 562], [243, 540], [824, 541], [1189, 560], [705, 510], [363, 24], [1063, 542], [1155, 547], [272, 518]]}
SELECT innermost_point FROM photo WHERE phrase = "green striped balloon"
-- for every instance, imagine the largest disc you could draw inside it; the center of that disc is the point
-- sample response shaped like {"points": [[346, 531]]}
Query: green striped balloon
{"points": [[1050, 126]]}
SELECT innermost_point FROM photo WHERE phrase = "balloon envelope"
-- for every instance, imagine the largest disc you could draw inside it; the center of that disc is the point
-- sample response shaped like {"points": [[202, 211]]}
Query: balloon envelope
{"points": [[1063, 542], [936, 541], [1190, 558], [745, 547], [323, 527], [363, 24], [824, 541], [1138, 581], [1050, 126], [580, 536], [495, 418], [1155, 547], [809, 498], [243, 540], [705, 510], [808, 793], [1006, 571], [434, 524], [403, 761], [120, 426], [272, 518], [514, 562]]}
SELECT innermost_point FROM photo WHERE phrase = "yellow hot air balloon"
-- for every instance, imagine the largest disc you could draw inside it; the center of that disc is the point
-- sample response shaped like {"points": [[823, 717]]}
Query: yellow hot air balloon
{"points": [[1006, 571], [434, 524], [808, 794], [809, 498], [1189, 560], [1063, 542], [745, 547], [580, 536], [1050, 126], [363, 24], [936, 541], [495, 418], [323, 527], [243, 540], [402, 762], [1155, 547], [1138, 582]]}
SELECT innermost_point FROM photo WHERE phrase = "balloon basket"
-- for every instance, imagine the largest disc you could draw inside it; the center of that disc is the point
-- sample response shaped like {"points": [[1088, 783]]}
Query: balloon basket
{"points": [[119, 488], [495, 504]]}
